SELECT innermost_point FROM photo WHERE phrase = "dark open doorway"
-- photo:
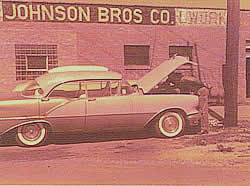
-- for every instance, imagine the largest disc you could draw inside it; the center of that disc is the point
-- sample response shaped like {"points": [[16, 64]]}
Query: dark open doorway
{"points": [[248, 77]]}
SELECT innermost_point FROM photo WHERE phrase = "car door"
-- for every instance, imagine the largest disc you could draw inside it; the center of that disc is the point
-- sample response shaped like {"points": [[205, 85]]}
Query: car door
{"points": [[107, 109], [65, 107]]}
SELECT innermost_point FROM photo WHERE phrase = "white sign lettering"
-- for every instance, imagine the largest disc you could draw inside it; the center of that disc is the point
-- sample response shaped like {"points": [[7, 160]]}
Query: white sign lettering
{"points": [[85, 13]]}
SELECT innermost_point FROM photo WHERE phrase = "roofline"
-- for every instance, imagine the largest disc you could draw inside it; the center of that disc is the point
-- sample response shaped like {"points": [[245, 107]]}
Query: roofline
{"points": [[49, 80], [134, 3]]}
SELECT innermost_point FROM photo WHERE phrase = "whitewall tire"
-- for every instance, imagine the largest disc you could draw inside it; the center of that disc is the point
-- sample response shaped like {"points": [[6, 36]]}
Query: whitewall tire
{"points": [[170, 124], [32, 134]]}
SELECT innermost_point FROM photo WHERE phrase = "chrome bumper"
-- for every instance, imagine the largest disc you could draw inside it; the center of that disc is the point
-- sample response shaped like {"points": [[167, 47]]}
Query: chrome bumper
{"points": [[194, 119]]}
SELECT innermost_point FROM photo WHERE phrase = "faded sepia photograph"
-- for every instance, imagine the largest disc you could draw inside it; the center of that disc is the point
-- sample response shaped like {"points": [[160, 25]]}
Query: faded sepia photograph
{"points": [[130, 92]]}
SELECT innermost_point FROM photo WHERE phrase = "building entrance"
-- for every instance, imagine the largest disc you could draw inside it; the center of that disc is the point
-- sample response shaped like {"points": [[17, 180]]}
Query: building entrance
{"points": [[248, 77]]}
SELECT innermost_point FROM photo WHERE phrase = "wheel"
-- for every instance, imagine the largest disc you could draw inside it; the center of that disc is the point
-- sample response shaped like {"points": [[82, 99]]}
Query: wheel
{"points": [[170, 124], [31, 135]]}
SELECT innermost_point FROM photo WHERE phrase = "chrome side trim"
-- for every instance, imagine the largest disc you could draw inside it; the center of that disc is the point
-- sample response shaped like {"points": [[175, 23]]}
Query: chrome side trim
{"points": [[192, 113], [96, 115], [21, 118]]}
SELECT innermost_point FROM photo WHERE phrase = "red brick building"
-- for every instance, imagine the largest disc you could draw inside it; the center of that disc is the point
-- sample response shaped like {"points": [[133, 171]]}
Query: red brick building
{"points": [[130, 38]]}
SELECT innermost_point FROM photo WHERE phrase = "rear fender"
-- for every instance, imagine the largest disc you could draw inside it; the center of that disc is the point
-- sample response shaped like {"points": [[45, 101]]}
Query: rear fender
{"points": [[27, 123]]}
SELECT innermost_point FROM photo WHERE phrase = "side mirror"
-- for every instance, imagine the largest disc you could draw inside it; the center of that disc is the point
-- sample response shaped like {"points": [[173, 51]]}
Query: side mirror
{"points": [[44, 99], [83, 96], [134, 85], [137, 89]]}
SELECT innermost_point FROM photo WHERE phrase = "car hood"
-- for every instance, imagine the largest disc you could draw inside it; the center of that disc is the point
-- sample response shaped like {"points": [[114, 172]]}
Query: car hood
{"points": [[17, 106], [9, 95], [151, 79]]}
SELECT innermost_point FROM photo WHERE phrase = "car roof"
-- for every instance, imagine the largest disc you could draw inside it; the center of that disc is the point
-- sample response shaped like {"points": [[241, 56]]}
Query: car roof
{"points": [[49, 80], [74, 68]]}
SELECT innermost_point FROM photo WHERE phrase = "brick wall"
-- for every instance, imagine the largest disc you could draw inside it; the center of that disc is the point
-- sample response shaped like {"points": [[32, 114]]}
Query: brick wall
{"points": [[102, 44]]}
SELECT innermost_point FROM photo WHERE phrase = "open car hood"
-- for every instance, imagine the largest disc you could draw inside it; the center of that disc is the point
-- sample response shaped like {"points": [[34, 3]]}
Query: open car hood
{"points": [[151, 79]]}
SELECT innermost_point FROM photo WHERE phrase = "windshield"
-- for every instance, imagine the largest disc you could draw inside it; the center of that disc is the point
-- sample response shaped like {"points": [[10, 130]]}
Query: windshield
{"points": [[29, 89]]}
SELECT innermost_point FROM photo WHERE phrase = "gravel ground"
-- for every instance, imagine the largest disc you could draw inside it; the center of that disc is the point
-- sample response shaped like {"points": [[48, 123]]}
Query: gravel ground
{"points": [[221, 157]]}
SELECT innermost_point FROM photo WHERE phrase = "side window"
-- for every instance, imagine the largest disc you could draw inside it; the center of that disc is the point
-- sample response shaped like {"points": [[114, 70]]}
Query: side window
{"points": [[102, 88], [68, 90], [82, 91], [115, 88], [126, 88], [136, 56]]}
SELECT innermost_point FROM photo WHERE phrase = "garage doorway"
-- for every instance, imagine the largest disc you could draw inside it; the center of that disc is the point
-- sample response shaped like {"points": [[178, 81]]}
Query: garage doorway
{"points": [[248, 77]]}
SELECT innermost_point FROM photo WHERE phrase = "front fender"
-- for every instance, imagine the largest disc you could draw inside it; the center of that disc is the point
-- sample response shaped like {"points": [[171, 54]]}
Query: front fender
{"points": [[158, 114]]}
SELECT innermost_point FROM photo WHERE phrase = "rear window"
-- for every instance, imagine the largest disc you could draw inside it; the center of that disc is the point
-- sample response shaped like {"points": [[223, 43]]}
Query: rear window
{"points": [[32, 88]]}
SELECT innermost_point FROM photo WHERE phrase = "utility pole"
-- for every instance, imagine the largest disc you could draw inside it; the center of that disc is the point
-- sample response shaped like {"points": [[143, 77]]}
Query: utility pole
{"points": [[230, 70]]}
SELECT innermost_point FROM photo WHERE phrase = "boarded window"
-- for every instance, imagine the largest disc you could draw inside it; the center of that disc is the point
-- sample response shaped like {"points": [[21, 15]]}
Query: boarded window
{"points": [[185, 51], [34, 60], [37, 63], [136, 55]]}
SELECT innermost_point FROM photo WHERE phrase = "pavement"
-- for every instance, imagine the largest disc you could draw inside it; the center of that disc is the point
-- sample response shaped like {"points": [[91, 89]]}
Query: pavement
{"points": [[243, 111]]}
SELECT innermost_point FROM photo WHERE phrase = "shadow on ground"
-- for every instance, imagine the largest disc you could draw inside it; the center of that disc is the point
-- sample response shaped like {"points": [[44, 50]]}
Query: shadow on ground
{"points": [[98, 137]]}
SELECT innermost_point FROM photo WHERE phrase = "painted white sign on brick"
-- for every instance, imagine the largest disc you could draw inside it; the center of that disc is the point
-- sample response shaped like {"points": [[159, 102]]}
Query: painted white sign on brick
{"points": [[86, 13], [200, 16]]}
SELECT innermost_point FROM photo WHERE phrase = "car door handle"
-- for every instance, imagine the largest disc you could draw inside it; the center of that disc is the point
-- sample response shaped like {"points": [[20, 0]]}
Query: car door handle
{"points": [[91, 99]]}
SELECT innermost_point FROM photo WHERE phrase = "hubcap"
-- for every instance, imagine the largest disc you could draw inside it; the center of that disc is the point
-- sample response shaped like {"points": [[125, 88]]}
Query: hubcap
{"points": [[31, 132], [170, 124]]}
